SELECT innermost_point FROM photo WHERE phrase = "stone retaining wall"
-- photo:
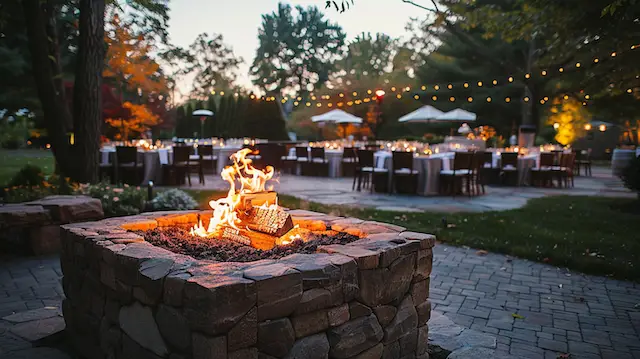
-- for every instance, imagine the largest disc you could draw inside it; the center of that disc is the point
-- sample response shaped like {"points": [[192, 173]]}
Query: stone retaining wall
{"points": [[126, 298], [36, 224]]}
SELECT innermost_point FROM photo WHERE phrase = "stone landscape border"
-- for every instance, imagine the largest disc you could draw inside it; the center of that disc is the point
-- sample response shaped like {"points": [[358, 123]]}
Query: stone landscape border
{"points": [[126, 298]]}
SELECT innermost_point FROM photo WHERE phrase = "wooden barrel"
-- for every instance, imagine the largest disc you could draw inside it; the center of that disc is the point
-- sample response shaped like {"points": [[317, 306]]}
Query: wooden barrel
{"points": [[620, 160]]}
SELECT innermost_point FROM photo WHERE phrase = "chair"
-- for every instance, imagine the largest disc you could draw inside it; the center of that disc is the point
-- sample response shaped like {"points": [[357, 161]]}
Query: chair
{"points": [[564, 171], [318, 163], [404, 178], [127, 161], [349, 160], [487, 172], [509, 168], [288, 163], [541, 175], [207, 161], [583, 159], [366, 168], [302, 159], [479, 174], [106, 170], [461, 170], [181, 164]]}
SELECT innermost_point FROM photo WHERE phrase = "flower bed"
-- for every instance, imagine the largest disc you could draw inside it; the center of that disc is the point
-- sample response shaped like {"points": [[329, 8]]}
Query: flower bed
{"points": [[126, 298]]}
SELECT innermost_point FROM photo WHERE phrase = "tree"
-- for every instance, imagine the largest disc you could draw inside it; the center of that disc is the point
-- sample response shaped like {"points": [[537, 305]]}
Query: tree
{"points": [[368, 56], [181, 123], [139, 121], [214, 64], [570, 117], [297, 52]]}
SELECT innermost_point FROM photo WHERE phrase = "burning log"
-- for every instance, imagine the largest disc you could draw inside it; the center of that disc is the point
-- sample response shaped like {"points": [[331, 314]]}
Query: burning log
{"points": [[251, 200], [269, 220], [248, 237]]}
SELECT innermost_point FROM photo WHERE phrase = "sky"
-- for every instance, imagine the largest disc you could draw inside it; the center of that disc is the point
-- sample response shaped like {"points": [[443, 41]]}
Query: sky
{"points": [[238, 22]]}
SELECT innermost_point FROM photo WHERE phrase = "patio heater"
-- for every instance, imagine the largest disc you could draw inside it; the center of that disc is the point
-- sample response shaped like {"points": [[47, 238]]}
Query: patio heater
{"points": [[203, 114], [526, 136]]}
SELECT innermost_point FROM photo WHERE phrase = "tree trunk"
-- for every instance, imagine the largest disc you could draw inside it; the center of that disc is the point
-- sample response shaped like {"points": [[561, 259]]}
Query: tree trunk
{"points": [[87, 101], [43, 46]]}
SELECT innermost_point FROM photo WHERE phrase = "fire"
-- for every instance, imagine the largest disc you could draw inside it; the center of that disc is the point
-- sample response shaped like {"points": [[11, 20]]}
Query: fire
{"points": [[225, 210]]}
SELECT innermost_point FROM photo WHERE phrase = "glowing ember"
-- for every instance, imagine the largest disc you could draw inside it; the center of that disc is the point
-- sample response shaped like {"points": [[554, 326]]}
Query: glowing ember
{"points": [[292, 239], [225, 210]]}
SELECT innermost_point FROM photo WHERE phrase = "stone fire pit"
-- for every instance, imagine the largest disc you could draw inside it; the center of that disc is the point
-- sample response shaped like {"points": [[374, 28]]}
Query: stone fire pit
{"points": [[126, 298]]}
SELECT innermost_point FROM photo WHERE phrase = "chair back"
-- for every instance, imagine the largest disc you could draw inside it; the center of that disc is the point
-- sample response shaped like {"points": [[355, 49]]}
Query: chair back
{"points": [[462, 161], [480, 158], [365, 158], [302, 152], [402, 160], [349, 153], [567, 160], [181, 154], [317, 153], [546, 159], [509, 159], [126, 155], [205, 150], [487, 157]]}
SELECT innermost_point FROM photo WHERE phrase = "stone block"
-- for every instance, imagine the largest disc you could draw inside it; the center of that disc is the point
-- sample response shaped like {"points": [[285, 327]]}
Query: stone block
{"points": [[318, 270], [385, 313], [174, 288], [391, 351], [151, 274], [45, 239], [420, 291], [357, 310], [426, 240], [310, 323], [366, 259], [215, 303], [279, 289], [424, 264], [408, 343], [246, 353], [138, 322], [23, 215], [424, 312], [276, 337], [423, 338], [384, 285], [354, 337], [312, 347], [338, 315], [245, 333], [405, 321], [174, 327], [205, 347], [372, 353], [313, 299]]}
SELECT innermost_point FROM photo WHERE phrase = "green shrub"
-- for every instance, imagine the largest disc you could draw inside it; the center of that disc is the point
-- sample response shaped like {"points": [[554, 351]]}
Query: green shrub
{"points": [[29, 176], [631, 175], [173, 199], [116, 201]]}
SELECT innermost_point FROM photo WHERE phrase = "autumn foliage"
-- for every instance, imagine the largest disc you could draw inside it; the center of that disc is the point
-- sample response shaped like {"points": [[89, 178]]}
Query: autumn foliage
{"points": [[140, 120]]}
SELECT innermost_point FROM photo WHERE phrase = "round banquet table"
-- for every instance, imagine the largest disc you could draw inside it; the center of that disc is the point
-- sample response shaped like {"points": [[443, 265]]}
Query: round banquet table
{"points": [[333, 157], [525, 164], [152, 160], [428, 168]]}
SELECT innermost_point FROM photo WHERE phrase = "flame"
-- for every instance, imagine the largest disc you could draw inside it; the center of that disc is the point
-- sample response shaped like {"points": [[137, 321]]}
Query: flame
{"points": [[251, 179]]}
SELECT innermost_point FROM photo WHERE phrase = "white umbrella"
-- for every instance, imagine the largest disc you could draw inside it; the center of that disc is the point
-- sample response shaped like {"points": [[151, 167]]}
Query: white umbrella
{"points": [[423, 114], [202, 113], [457, 115], [336, 116]]}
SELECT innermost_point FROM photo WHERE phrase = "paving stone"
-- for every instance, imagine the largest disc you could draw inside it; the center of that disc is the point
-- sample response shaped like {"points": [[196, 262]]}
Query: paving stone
{"points": [[37, 353], [138, 322], [35, 330], [35, 314], [552, 345]]}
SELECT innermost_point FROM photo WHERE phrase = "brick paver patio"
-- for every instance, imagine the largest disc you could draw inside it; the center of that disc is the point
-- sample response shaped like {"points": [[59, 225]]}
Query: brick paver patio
{"points": [[534, 310]]}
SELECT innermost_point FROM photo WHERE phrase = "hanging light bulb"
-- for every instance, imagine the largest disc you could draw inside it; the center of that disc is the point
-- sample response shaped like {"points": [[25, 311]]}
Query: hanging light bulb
{"points": [[423, 87], [434, 97], [488, 99], [479, 83], [416, 97], [449, 86], [213, 92], [561, 69], [542, 102], [495, 82], [526, 76], [470, 99], [299, 98], [308, 104], [613, 54], [507, 99], [436, 87], [526, 99], [296, 103], [355, 93], [566, 97], [399, 96], [596, 60], [329, 104], [510, 79], [556, 125], [341, 94], [587, 127], [602, 128], [452, 99], [578, 64], [313, 98], [407, 89], [586, 97], [546, 98], [544, 73], [466, 85], [319, 104], [340, 104], [629, 90], [369, 92]]}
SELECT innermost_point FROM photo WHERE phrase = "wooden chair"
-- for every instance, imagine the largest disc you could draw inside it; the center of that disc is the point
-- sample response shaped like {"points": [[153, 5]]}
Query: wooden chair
{"points": [[302, 159], [461, 170], [564, 171], [479, 174], [583, 160], [181, 165], [127, 163], [318, 162], [489, 173], [509, 168], [207, 161], [106, 170], [288, 163], [404, 178], [541, 175], [365, 169], [349, 161]]}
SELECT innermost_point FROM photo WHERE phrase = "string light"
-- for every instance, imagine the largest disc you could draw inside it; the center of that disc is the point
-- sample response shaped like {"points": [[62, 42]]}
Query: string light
{"points": [[296, 103], [329, 104], [318, 104], [488, 99], [629, 90], [470, 99], [399, 96], [313, 98], [510, 79], [526, 99], [408, 89], [507, 99], [341, 94], [584, 103], [586, 97], [587, 127], [544, 73], [542, 102], [613, 54], [495, 82], [526, 76], [299, 98], [434, 97], [546, 98], [602, 128], [452, 99], [308, 104], [367, 100], [449, 86], [416, 97], [283, 101], [596, 60], [350, 103], [556, 125], [423, 88], [355, 93], [213, 92], [221, 93], [561, 69], [479, 83], [340, 104], [436, 87], [466, 85], [566, 97], [252, 97], [369, 92], [577, 64], [393, 89]]}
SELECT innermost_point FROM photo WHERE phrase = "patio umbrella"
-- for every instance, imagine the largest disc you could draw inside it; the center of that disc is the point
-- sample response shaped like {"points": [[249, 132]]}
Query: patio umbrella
{"points": [[423, 114], [456, 115], [203, 114], [336, 116]]}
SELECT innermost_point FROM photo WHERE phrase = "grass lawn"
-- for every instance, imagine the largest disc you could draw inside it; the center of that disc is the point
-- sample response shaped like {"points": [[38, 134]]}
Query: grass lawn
{"points": [[11, 161], [588, 234]]}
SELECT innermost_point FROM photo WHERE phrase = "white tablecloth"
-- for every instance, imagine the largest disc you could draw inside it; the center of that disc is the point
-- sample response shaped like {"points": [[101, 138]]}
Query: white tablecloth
{"points": [[428, 168], [152, 160], [525, 164], [333, 157]]}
